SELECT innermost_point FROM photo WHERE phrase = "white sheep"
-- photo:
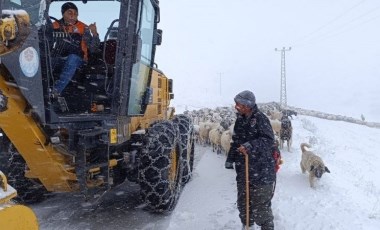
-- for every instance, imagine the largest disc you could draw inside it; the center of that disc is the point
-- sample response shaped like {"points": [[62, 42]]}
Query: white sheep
{"points": [[225, 141], [204, 129], [215, 138], [276, 126], [226, 138], [275, 115]]}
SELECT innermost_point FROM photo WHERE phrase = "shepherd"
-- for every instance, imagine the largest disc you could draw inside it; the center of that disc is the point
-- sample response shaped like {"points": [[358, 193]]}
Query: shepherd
{"points": [[252, 144]]}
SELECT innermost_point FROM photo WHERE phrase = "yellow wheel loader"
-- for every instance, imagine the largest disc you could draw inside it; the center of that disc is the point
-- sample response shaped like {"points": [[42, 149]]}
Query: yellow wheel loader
{"points": [[113, 122]]}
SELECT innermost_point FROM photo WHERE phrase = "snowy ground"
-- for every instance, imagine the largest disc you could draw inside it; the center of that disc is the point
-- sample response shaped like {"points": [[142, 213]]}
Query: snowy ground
{"points": [[348, 198]]}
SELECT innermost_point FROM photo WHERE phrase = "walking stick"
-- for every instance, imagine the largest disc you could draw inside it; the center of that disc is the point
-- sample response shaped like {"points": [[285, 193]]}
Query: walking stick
{"points": [[247, 191]]}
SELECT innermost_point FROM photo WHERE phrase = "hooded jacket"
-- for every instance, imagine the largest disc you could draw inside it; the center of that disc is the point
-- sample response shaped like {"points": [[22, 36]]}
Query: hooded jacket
{"points": [[254, 133]]}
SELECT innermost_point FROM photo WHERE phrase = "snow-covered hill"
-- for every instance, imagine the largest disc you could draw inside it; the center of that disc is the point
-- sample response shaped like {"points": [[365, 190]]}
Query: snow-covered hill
{"points": [[348, 198]]}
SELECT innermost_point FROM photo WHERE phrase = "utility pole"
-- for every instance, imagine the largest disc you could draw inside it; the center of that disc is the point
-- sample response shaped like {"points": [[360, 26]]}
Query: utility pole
{"points": [[283, 100]]}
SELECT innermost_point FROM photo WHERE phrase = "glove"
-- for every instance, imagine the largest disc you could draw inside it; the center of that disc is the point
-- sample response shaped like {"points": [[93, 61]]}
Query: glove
{"points": [[247, 146], [229, 165]]}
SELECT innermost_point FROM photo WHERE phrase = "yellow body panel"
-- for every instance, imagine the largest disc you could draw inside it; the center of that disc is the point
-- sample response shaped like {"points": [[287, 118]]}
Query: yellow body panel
{"points": [[12, 216], [157, 110], [17, 217]]}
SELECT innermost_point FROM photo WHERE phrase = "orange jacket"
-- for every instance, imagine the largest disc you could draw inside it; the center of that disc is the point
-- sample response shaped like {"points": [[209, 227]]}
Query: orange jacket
{"points": [[78, 28]]}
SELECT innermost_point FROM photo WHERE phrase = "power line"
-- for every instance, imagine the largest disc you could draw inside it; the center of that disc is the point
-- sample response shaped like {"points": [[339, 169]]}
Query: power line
{"points": [[329, 22], [344, 27], [309, 38]]}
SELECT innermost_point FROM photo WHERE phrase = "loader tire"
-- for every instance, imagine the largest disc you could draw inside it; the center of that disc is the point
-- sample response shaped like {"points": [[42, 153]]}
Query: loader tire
{"points": [[160, 167], [12, 164], [186, 132], [3, 102]]}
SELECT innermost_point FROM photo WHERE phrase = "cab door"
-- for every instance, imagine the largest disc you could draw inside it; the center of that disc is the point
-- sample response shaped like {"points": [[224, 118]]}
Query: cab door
{"points": [[135, 58]]}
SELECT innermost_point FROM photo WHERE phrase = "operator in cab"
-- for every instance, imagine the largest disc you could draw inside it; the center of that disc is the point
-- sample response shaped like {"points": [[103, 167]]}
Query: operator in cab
{"points": [[73, 50]]}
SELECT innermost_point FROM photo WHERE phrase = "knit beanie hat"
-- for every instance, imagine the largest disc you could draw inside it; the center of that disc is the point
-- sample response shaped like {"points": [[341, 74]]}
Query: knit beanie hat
{"points": [[68, 5], [246, 98]]}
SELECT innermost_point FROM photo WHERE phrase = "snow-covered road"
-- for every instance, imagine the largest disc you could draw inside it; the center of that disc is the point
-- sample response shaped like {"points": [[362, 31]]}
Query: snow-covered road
{"points": [[348, 198]]}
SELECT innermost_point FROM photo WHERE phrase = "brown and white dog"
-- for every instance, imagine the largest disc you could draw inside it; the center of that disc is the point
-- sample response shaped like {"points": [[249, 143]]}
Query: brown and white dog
{"points": [[313, 164]]}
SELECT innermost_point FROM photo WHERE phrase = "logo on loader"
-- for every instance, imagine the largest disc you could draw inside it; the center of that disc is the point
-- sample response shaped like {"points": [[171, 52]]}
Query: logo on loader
{"points": [[29, 61]]}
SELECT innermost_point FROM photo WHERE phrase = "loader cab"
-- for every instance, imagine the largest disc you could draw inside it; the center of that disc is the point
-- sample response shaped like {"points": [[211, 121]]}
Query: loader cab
{"points": [[113, 82]]}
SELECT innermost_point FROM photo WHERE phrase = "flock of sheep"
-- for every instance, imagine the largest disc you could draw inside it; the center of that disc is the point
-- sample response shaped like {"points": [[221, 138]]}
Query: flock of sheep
{"points": [[214, 127]]}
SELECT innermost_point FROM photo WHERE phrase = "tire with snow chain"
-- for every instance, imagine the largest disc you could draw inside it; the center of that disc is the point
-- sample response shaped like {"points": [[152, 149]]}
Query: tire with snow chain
{"points": [[186, 132], [3, 102], [160, 167], [13, 166]]}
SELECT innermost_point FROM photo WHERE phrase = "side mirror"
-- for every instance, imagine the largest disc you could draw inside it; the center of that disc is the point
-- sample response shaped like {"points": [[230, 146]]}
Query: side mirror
{"points": [[170, 86], [137, 45], [157, 38]]}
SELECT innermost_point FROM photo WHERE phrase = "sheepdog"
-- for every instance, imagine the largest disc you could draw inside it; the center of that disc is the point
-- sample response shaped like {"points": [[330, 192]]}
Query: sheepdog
{"points": [[313, 164], [286, 132]]}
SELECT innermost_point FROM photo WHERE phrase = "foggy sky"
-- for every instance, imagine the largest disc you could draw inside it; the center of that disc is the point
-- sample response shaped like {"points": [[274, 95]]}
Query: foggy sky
{"points": [[214, 49]]}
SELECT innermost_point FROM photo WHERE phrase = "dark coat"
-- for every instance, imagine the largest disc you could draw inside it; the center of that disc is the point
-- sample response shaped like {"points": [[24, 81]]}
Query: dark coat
{"points": [[256, 134]]}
